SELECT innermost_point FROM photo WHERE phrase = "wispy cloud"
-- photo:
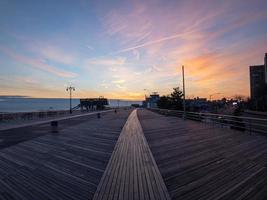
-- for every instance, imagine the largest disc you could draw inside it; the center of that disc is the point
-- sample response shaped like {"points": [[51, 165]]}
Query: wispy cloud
{"points": [[106, 61], [38, 64], [55, 54], [163, 39], [119, 23], [142, 44], [119, 81]]}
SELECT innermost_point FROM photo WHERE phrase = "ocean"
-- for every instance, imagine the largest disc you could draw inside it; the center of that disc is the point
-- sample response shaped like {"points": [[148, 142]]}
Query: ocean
{"points": [[14, 104]]}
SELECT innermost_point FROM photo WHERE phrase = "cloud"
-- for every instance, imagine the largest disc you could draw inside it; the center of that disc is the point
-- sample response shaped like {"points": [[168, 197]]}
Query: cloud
{"points": [[54, 54], [29, 86], [160, 40], [117, 22], [149, 41], [90, 47], [104, 84], [205, 24], [38, 64], [136, 53], [119, 81], [106, 61], [120, 86], [28, 80]]}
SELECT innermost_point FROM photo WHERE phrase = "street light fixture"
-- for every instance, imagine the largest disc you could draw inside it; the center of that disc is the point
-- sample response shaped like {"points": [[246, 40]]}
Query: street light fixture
{"points": [[70, 89]]}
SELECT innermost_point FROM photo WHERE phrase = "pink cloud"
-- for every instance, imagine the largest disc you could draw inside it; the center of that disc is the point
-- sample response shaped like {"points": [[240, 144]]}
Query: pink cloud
{"points": [[38, 64], [56, 55]]}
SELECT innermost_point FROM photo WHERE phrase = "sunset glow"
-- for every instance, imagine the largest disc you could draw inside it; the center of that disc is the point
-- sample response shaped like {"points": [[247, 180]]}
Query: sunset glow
{"points": [[117, 49]]}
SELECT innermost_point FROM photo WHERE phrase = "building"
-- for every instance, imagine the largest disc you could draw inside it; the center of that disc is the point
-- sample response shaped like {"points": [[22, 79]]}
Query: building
{"points": [[265, 64], [151, 101], [258, 85]]}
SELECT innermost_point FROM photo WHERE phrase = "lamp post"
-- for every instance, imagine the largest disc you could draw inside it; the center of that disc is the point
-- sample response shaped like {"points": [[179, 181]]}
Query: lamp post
{"points": [[70, 89]]}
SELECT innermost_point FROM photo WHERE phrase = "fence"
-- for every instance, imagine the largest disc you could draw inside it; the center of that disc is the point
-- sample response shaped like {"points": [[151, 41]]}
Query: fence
{"points": [[6, 117], [248, 124]]}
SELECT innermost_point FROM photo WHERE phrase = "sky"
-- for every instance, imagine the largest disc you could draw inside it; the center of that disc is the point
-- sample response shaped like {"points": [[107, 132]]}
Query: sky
{"points": [[128, 49]]}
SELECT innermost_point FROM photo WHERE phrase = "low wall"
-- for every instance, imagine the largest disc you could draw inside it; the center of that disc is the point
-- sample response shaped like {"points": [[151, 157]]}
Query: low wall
{"points": [[33, 115]]}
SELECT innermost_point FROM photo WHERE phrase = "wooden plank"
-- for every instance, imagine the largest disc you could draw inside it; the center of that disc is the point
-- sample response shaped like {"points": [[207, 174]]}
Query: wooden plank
{"points": [[138, 176], [203, 162], [68, 165]]}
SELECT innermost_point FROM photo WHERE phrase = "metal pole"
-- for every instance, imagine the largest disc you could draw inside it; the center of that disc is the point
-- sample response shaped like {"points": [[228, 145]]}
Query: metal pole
{"points": [[70, 89], [70, 102], [184, 115]]}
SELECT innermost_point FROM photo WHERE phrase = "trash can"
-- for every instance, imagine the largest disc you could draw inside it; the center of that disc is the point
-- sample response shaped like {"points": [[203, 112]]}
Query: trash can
{"points": [[54, 126]]}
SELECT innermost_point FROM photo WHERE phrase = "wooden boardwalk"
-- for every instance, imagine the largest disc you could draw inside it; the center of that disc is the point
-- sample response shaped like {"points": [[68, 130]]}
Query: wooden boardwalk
{"points": [[198, 161], [132, 172], [66, 165], [157, 157]]}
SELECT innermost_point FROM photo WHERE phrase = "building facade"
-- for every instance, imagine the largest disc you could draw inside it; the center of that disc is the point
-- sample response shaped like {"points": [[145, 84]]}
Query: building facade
{"points": [[151, 101], [265, 64], [258, 85]]}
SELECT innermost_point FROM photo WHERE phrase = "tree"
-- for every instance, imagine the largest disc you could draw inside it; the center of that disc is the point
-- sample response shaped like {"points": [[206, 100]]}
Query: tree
{"points": [[164, 102], [177, 101], [240, 98], [173, 101]]}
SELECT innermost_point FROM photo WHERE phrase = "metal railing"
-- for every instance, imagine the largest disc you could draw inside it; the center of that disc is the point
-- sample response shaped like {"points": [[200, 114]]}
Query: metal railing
{"points": [[39, 115], [247, 124]]}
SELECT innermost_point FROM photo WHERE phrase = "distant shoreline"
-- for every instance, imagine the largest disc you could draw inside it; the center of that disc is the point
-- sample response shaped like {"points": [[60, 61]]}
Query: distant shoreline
{"points": [[19, 105], [28, 97]]}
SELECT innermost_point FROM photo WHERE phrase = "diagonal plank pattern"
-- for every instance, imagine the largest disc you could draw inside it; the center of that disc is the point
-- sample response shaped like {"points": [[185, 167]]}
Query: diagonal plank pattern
{"points": [[201, 162], [131, 172], [67, 165]]}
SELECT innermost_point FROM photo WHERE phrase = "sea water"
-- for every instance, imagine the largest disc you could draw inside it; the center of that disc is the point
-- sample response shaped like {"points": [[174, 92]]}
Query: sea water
{"points": [[14, 104]]}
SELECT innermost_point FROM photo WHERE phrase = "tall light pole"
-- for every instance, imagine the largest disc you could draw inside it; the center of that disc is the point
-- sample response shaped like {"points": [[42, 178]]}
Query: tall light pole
{"points": [[70, 89], [184, 115]]}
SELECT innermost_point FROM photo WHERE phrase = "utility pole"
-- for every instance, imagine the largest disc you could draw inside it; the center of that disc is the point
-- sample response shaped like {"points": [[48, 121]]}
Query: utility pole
{"points": [[184, 115], [70, 88]]}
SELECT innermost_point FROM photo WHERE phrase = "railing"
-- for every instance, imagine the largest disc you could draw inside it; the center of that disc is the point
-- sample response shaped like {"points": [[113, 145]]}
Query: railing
{"points": [[6, 117], [39, 115], [248, 124]]}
